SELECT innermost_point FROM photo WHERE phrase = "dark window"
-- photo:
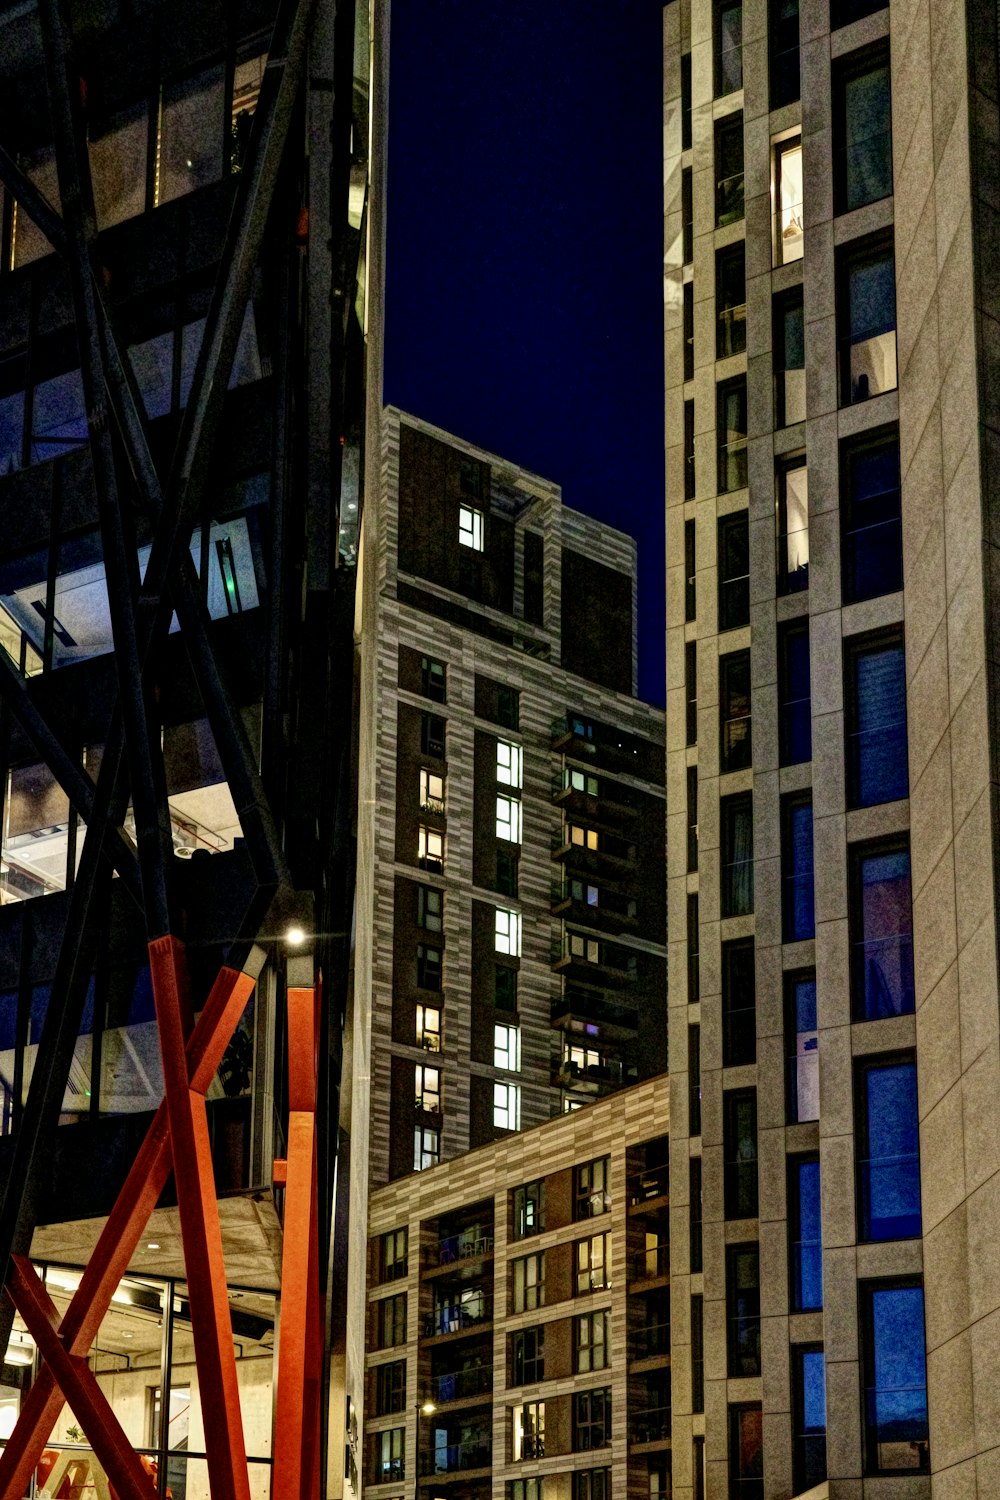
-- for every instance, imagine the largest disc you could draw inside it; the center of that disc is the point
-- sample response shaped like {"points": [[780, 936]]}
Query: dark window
{"points": [[591, 1420], [687, 215], [697, 1353], [689, 454], [390, 1388], [876, 720], [694, 1213], [895, 1376], [430, 902], [870, 509], [862, 131], [432, 735], [592, 1484], [808, 1417], [689, 569], [794, 703], [740, 1152], [881, 933], [392, 1321], [736, 820], [793, 526], [789, 346], [798, 916], [528, 1356], [734, 570], [866, 320], [805, 1242], [783, 32], [802, 1047], [688, 310], [694, 1080], [888, 1152], [529, 1209], [698, 1465], [730, 301], [508, 706], [591, 1188], [433, 681], [743, 1308], [505, 988], [428, 967], [591, 1342], [739, 1007], [735, 742], [390, 1455], [392, 1263], [843, 12], [691, 691], [746, 1452], [506, 879], [731, 434], [685, 101], [693, 944], [692, 818], [728, 47], [729, 193]]}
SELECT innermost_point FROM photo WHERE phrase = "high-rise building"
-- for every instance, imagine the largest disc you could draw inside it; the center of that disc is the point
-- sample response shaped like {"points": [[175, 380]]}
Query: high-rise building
{"points": [[190, 304], [518, 959], [831, 342]]}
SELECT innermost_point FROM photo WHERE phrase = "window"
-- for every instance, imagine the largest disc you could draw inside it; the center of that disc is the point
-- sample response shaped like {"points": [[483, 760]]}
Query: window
{"points": [[687, 215], [739, 1003], [432, 679], [798, 917], [694, 1080], [794, 700], [730, 301], [528, 1283], [592, 1188], [895, 1377], [529, 1209], [591, 1420], [693, 946], [728, 47], [507, 1048], [734, 570], [509, 764], [808, 1417], [189, 149], [508, 706], [507, 1106], [426, 1147], [690, 486], [427, 1088], [746, 1452], [697, 1353], [429, 1028], [876, 720], [743, 1302], [694, 1211], [698, 1465], [866, 320], [843, 12], [508, 821], [788, 229], [805, 1234], [870, 508], [591, 1341], [687, 314], [692, 818], [862, 130], [390, 1388], [528, 1431], [685, 101], [430, 848], [390, 1455], [506, 881], [735, 745], [691, 692], [793, 526], [802, 1047], [584, 892], [431, 792], [580, 781], [428, 967], [526, 1489], [789, 345], [582, 838], [729, 192], [731, 432], [783, 34], [432, 735], [881, 920], [740, 1153], [593, 1264], [527, 1361], [392, 1258], [507, 932], [470, 527], [888, 1150], [689, 571], [430, 903], [392, 1321], [736, 818], [505, 988]]}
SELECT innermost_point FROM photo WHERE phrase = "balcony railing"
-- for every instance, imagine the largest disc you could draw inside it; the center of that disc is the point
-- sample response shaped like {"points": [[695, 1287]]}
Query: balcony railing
{"points": [[651, 1182], [652, 1262], [462, 1246], [651, 1341], [594, 1008], [460, 1385], [456, 1319], [452, 1458], [650, 1426]]}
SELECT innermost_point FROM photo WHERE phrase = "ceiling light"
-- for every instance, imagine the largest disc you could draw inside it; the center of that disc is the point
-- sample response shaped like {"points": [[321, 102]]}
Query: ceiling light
{"points": [[295, 936], [152, 1245]]}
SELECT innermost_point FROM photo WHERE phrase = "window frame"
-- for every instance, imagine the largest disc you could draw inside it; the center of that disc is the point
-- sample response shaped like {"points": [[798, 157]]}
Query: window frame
{"points": [[732, 452], [730, 316], [743, 1327], [531, 1294], [856, 647], [793, 736], [858, 855], [855, 256], [789, 408], [591, 1352], [724, 72], [868, 1124], [788, 579], [878, 441], [788, 232], [592, 1416], [801, 1274], [528, 1209], [867, 1291], [847, 70], [741, 1179], [735, 745], [591, 1189], [471, 528], [730, 190], [808, 1082], [803, 1470], [798, 892], [592, 1271], [739, 1036], [735, 902]]}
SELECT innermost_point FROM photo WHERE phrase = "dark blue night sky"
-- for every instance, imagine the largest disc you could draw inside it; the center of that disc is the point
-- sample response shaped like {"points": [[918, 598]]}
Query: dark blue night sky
{"points": [[524, 288]]}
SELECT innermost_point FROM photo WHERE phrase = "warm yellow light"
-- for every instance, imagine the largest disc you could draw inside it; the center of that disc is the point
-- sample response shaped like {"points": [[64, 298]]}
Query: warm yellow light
{"points": [[295, 936], [428, 1408]]}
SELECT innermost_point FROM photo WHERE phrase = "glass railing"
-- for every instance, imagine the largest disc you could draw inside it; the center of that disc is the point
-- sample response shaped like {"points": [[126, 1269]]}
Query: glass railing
{"points": [[460, 1385], [651, 1341], [652, 1262], [594, 1008], [650, 1426], [451, 1458], [651, 1182], [462, 1246], [451, 1319], [868, 366]]}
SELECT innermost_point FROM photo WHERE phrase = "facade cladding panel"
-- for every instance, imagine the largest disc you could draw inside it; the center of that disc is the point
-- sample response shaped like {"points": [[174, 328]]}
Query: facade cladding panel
{"points": [[875, 742]]}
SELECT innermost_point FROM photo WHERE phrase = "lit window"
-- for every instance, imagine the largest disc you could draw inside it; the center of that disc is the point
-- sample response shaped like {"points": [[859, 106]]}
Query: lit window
{"points": [[509, 820], [509, 764], [507, 1106], [470, 527], [528, 1431], [427, 1089], [426, 1148], [588, 950], [593, 1264], [431, 792], [583, 838], [579, 781], [430, 848], [528, 1283], [793, 527], [788, 237], [507, 1048], [507, 937], [429, 1028]]}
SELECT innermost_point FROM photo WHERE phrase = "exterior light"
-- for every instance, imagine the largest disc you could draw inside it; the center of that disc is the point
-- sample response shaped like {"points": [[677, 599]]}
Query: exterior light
{"points": [[152, 1245], [295, 937], [428, 1408]]}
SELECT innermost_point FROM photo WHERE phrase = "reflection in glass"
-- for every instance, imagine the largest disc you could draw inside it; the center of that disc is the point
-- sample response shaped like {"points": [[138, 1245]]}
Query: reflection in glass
{"points": [[189, 149], [882, 951], [247, 79], [788, 191], [869, 368], [59, 416], [118, 166], [27, 240], [131, 1069], [803, 1061], [35, 834], [896, 1379]]}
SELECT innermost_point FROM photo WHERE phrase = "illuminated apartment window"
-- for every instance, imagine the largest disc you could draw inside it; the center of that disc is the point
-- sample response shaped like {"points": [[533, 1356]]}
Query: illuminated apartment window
{"points": [[579, 781], [431, 792], [583, 838], [470, 527], [509, 764], [393, 1255], [788, 230], [430, 848], [591, 1342], [507, 932], [427, 1089], [593, 1264], [507, 1048], [429, 1028], [584, 949], [507, 1106], [528, 1431], [793, 526], [509, 819], [426, 1147], [802, 1046], [429, 907], [529, 1209], [592, 1188]]}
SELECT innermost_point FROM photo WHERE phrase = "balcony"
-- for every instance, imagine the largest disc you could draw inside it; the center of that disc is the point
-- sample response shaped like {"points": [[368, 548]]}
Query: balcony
{"points": [[466, 1244], [457, 1458], [452, 1319], [593, 1015], [606, 853], [593, 906], [590, 1078], [649, 1426], [463, 1385], [649, 1186], [650, 1342], [594, 961], [606, 747], [652, 1263]]}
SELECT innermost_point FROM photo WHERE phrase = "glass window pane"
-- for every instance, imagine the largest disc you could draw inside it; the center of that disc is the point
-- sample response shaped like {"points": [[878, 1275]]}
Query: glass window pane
{"points": [[788, 230], [883, 939], [29, 243], [59, 418], [253, 1318], [803, 1056], [873, 552], [189, 150], [890, 1168], [878, 743], [131, 1070], [153, 367], [806, 1232], [35, 835], [118, 166], [799, 918], [897, 1375], [867, 138]]}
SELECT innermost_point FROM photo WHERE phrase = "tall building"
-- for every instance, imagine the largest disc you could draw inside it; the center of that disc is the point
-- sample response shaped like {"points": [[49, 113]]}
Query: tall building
{"points": [[190, 304], [518, 959], [831, 342]]}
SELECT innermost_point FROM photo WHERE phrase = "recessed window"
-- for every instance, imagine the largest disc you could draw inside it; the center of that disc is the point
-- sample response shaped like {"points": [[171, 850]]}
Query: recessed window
{"points": [[736, 820], [734, 570], [743, 1309], [728, 47], [740, 1153], [393, 1255], [783, 36], [689, 570], [592, 1188], [593, 1264], [430, 848], [687, 315], [693, 947], [888, 1150], [808, 1417], [691, 692], [430, 906], [595, 1484], [872, 546], [789, 346], [580, 781], [390, 1455], [687, 215], [526, 1489], [582, 838], [694, 1214], [735, 745], [843, 12], [876, 720], [507, 932], [798, 918], [427, 1089], [470, 477], [591, 1420], [432, 735], [731, 433], [789, 236], [509, 819], [862, 130], [692, 818], [591, 1340], [429, 1028], [431, 791], [507, 1048], [685, 101], [390, 1388], [690, 485], [507, 1106], [698, 1353], [528, 1283], [426, 1147], [805, 1240], [506, 872], [432, 679], [895, 1378], [694, 1080], [470, 527], [746, 1451], [505, 988], [793, 526], [866, 320], [794, 700], [527, 1357], [428, 967], [881, 923], [739, 1005], [509, 764], [729, 184], [528, 1431], [528, 1205], [584, 949], [392, 1321], [730, 301], [802, 1046]]}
